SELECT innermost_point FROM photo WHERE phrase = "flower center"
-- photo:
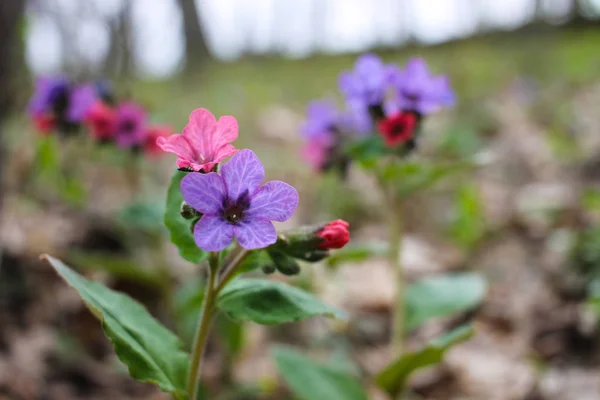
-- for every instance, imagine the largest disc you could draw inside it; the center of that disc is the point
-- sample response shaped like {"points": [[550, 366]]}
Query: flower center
{"points": [[234, 214], [128, 127]]}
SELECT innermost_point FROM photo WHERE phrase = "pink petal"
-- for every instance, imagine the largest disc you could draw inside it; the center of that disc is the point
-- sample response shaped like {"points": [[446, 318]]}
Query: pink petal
{"points": [[228, 129]]}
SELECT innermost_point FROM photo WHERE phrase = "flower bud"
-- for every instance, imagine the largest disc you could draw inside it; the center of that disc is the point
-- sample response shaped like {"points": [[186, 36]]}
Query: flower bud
{"points": [[312, 256], [188, 212], [334, 235], [268, 269], [284, 263]]}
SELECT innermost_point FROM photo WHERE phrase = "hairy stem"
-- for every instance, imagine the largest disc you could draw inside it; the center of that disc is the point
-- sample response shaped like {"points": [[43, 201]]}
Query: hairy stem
{"points": [[201, 337], [395, 257], [231, 268]]}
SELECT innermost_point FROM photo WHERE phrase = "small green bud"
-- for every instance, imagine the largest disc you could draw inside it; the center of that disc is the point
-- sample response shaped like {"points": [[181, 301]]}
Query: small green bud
{"points": [[284, 264], [268, 269], [193, 224], [312, 256], [188, 212]]}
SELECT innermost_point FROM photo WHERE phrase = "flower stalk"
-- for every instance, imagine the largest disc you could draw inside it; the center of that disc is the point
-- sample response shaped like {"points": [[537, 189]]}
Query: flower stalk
{"points": [[201, 336], [395, 257]]}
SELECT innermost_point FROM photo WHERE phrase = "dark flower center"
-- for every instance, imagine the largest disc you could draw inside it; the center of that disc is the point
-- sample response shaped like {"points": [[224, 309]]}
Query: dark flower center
{"points": [[234, 210], [398, 129], [234, 214], [127, 127]]}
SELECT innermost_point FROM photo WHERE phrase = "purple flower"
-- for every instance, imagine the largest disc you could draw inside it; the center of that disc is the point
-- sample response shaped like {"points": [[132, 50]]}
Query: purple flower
{"points": [[81, 100], [417, 90], [51, 95], [368, 82], [321, 117], [130, 125], [234, 204]]}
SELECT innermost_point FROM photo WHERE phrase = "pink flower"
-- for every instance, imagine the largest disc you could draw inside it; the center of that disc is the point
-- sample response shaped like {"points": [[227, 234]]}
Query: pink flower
{"points": [[154, 132], [317, 151], [204, 141], [44, 123], [101, 120]]}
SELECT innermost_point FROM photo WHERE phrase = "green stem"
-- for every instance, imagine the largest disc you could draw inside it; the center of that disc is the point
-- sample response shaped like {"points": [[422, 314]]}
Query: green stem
{"points": [[201, 337], [231, 268], [395, 257]]}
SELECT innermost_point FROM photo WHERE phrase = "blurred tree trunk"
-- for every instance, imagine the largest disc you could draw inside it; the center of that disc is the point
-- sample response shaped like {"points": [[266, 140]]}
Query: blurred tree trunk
{"points": [[196, 48], [11, 61], [119, 60]]}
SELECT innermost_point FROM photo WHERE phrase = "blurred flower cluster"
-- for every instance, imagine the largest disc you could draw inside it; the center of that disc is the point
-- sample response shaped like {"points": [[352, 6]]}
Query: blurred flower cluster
{"points": [[385, 104], [66, 108]]}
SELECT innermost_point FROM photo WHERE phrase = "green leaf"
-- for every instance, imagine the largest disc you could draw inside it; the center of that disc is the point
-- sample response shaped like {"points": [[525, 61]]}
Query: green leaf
{"points": [[179, 227], [122, 266], [151, 352], [442, 296], [312, 381], [468, 226], [411, 177], [357, 253], [269, 303], [393, 378]]}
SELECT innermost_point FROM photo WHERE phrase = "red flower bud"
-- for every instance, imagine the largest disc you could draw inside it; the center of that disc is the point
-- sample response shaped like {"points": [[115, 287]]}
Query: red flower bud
{"points": [[44, 123], [398, 128], [335, 235]]}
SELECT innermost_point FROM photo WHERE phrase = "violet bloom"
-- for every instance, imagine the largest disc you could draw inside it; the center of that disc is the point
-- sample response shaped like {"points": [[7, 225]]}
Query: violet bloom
{"points": [[81, 100], [130, 122], [417, 90], [321, 117], [51, 96], [368, 82], [234, 204]]}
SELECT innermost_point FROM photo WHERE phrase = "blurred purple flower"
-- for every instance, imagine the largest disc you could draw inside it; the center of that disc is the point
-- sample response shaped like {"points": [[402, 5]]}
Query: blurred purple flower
{"points": [[51, 95], [417, 90], [81, 100], [234, 204], [130, 125], [368, 82], [321, 117]]}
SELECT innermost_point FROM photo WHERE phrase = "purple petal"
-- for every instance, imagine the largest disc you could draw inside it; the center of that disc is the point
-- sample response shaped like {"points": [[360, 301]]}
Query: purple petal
{"points": [[82, 99], [274, 201], [243, 174], [213, 233], [255, 234], [204, 192]]}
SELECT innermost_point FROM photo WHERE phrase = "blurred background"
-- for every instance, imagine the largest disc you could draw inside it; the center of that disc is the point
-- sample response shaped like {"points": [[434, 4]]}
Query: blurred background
{"points": [[527, 78]]}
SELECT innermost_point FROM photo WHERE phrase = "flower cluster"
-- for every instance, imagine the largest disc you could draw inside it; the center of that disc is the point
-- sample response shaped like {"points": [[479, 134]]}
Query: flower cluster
{"points": [[227, 201], [379, 97], [59, 105]]}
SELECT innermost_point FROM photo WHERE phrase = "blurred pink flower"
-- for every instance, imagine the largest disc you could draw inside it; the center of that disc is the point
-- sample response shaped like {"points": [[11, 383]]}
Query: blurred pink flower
{"points": [[154, 132], [101, 120], [316, 150], [204, 141]]}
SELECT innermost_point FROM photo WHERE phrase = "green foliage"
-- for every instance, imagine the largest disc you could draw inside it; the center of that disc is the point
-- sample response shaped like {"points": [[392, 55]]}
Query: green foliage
{"points": [[442, 296], [468, 225], [357, 253], [179, 228], [585, 255], [393, 378], [269, 303], [121, 266], [311, 381], [459, 143], [187, 303], [151, 352], [413, 176], [143, 215]]}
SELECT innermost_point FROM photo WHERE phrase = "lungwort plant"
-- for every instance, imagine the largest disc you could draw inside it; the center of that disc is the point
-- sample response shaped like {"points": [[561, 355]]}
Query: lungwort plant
{"points": [[219, 215]]}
